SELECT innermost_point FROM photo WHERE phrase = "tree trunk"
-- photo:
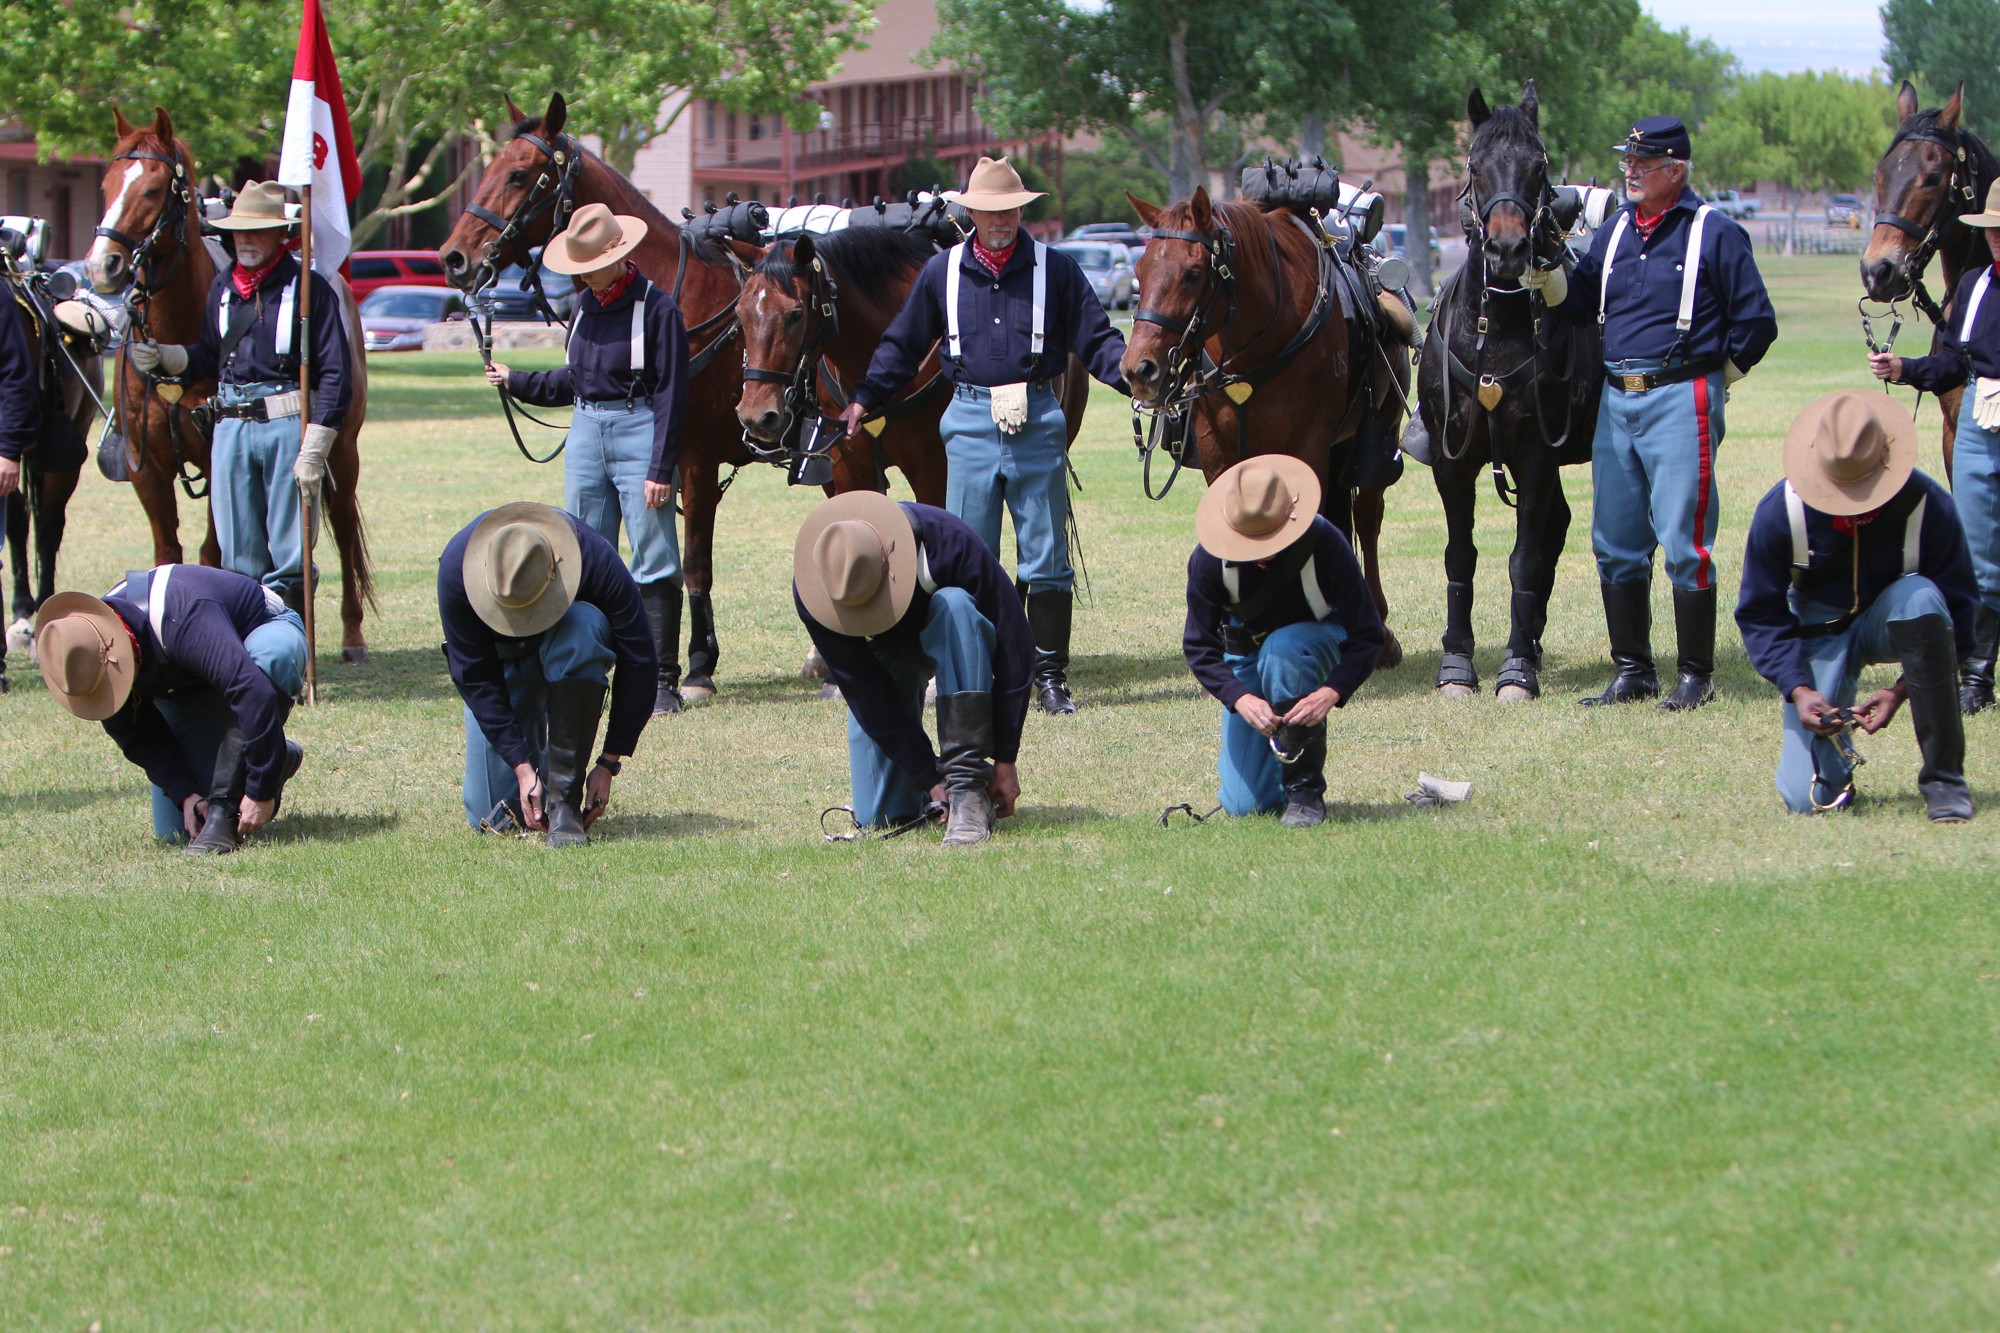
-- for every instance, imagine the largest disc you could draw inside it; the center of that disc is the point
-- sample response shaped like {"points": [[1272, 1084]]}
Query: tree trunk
{"points": [[1312, 136], [1417, 226], [1184, 158]]}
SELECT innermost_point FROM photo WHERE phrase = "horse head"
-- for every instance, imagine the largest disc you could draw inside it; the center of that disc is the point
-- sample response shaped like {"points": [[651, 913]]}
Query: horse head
{"points": [[148, 189], [1182, 273], [1914, 184], [787, 314], [1507, 183], [520, 202]]}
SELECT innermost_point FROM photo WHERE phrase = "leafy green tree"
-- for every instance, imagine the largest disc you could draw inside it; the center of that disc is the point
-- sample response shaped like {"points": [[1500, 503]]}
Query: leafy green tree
{"points": [[1939, 44], [1820, 132], [1094, 184]]}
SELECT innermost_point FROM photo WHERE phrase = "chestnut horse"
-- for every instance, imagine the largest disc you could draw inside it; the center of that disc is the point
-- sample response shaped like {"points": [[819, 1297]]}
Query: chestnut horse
{"points": [[149, 246], [1247, 286], [536, 179], [1934, 173]]}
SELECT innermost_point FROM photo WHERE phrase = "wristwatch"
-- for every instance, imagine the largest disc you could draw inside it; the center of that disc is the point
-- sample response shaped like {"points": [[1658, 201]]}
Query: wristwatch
{"points": [[610, 765]]}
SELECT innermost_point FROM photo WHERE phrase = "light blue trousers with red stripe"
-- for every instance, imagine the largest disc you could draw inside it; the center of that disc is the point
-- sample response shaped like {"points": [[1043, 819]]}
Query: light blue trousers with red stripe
{"points": [[1652, 472]]}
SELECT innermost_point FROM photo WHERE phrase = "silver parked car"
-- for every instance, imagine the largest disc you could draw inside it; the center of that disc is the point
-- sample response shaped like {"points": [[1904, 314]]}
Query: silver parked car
{"points": [[1108, 265], [393, 319]]}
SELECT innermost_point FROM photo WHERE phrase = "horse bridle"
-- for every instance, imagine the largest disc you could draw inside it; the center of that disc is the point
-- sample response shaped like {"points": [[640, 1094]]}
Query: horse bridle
{"points": [[1952, 205], [1218, 287], [802, 383], [554, 192], [1540, 218]]}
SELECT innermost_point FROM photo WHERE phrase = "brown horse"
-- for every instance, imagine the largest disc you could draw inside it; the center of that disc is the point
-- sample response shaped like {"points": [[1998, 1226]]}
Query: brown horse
{"points": [[536, 179], [1934, 173], [149, 246], [1246, 287]]}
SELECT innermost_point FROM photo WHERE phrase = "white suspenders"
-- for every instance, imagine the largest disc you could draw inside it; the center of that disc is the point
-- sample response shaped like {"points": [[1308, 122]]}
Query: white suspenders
{"points": [[156, 602], [1972, 306], [1040, 298], [1232, 583], [288, 302], [924, 578], [638, 337], [1913, 532], [1690, 267]]}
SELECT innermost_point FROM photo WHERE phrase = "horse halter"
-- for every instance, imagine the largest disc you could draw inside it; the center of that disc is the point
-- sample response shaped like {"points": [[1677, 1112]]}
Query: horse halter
{"points": [[801, 384], [546, 195], [1957, 198], [1219, 286], [180, 198], [1539, 218]]}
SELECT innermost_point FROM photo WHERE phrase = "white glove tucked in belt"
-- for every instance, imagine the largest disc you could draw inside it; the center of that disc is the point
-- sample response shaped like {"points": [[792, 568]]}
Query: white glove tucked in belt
{"points": [[151, 356], [1010, 407], [1986, 403], [310, 470]]}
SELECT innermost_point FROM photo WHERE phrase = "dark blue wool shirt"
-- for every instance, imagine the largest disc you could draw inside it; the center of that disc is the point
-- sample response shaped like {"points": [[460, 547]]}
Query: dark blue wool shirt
{"points": [[995, 319], [957, 558], [1956, 359], [1733, 318], [471, 646], [600, 366], [1340, 585], [1772, 630], [208, 614], [20, 386], [256, 359]]}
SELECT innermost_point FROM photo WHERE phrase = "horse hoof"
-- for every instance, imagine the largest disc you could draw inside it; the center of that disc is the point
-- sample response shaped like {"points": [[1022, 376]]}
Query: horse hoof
{"points": [[1391, 656], [1457, 691], [1514, 694], [828, 692], [21, 636], [355, 656], [814, 668], [698, 690]]}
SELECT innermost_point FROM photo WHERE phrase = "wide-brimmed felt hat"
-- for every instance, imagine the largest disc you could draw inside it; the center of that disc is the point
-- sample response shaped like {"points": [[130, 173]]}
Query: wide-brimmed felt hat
{"points": [[1850, 452], [994, 187], [259, 206], [86, 654], [523, 563], [595, 238], [1991, 217], [1656, 136], [855, 563], [1257, 508]]}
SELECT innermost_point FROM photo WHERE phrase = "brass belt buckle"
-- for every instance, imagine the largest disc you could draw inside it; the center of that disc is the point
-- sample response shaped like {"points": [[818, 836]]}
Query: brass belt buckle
{"points": [[1634, 383]]}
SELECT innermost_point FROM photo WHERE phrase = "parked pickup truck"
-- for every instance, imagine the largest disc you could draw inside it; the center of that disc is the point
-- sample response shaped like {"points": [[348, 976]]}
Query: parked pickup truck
{"points": [[1732, 204]]}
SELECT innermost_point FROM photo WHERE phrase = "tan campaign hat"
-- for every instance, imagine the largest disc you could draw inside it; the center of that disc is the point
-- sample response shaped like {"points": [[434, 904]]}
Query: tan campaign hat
{"points": [[855, 563], [995, 187], [1257, 508], [259, 206], [86, 654], [1991, 217], [1850, 452], [595, 238], [523, 563]]}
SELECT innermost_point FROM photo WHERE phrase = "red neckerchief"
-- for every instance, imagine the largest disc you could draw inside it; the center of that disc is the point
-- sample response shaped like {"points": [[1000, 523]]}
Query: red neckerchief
{"points": [[994, 260], [1648, 225], [1852, 524], [618, 286], [247, 280]]}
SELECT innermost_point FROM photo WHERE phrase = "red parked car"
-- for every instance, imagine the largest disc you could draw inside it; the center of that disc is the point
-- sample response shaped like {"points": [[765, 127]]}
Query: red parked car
{"points": [[369, 269]]}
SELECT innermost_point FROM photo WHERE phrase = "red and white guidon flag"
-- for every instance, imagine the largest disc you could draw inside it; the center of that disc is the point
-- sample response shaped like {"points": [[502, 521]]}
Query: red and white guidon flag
{"points": [[319, 144]]}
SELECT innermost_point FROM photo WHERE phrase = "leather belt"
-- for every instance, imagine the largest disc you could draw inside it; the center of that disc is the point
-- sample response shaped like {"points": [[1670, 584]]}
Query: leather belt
{"points": [[1829, 628], [1240, 642], [269, 407], [1644, 381]]}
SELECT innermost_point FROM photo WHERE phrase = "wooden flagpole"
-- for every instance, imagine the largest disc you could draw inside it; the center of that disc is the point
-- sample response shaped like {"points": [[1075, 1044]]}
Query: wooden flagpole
{"points": [[306, 534]]}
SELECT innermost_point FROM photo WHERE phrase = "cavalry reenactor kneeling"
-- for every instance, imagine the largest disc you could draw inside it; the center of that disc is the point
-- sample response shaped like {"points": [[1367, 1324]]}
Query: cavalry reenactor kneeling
{"points": [[540, 617], [1280, 628], [890, 593], [193, 672], [1855, 558]]}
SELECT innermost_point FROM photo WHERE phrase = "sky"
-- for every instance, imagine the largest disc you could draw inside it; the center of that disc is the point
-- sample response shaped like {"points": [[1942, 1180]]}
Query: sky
{"points": [[1783, 36]]}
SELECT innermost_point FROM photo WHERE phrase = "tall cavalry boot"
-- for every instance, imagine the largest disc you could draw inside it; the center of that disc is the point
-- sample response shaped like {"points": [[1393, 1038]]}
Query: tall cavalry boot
{"points": [[965, 755], [1975, 673], [662, 600], [1927, 652], [1049, 616], [1628, 618], [218, 836], [574, 706], [1304, 781], [1694, 631]]}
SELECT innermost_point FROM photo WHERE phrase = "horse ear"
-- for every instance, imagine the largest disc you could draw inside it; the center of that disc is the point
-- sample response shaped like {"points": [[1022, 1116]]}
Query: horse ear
{"points": [[1476, 109], [1201, 209], [1948, 118], [803, 251], [1906, 101], [163, 124], [124, 126], [1531, 105], [514, 113], [552, 119], [1149, 214], [747, 251]]}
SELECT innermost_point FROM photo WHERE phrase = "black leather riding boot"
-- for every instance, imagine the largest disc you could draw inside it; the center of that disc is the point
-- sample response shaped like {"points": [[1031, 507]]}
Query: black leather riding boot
{"points": [[1975, 673], [574, 706], [1928, 653], [1628, 618], [1049, 623], [662, 601], [1305, 782], [218, 836], [965, 756], [1694, 632]]}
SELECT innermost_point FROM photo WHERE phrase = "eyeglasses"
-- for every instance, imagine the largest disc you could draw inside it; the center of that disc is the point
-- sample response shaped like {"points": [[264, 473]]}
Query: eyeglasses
{"points": [[1633, 171]]}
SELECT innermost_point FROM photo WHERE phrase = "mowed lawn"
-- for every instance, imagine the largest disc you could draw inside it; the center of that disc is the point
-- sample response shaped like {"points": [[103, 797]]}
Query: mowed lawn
{"points": [[1618, 1044]]}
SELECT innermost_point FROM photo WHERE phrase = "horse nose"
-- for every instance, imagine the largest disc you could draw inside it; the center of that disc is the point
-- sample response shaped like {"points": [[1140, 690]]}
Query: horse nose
{"points": [[1145, 372], [763, 425], [1879, 277], [1507, 252], [114, 264], [454, 261]]}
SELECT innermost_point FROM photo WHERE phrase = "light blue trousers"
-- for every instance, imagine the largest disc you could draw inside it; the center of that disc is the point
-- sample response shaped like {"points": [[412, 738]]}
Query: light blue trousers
{"points": [[199, 718], [1975, 489], [577, 646], [1835, 663], [605, 464], [1026, 473], [1652, 473], [956, 644], [255, 499], [1291, 663]]}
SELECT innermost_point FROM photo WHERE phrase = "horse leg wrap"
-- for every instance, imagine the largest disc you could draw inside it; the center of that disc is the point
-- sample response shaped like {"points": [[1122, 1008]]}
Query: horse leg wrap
{"points": [[703, 650]]}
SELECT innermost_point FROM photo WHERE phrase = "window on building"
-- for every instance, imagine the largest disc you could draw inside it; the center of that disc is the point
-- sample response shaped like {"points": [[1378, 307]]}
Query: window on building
{"points": [[756, 127], [709, 128], [17, 193]]}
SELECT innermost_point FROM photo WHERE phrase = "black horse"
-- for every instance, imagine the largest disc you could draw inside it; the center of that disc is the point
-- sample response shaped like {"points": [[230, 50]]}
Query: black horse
{"points": [[1504, 385]]}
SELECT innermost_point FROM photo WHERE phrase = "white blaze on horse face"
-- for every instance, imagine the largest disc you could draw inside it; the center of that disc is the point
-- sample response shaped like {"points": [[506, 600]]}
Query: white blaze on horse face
{"points": [[100, 247]]}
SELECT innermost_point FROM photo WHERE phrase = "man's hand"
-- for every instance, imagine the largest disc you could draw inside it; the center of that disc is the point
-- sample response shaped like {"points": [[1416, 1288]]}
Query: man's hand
{"points": [[1312, 710], [253, 815], [10, 475], [851, 418], [194, 812], [657, 495], [1886, 366], [596, 793], [150, 356], [496, 374], [1005, 789], [1258, 714], [310, 469], [1815, 713], [531, 797], [938, 797], [1552, 283], [1881, 706]]}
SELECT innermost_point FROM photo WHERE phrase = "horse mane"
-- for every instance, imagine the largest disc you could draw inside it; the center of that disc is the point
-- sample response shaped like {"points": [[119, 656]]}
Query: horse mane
{"points": [[867, 262], [1254, 231], [142, 136], [707, 251], [1924, 124], [1509, 124]]}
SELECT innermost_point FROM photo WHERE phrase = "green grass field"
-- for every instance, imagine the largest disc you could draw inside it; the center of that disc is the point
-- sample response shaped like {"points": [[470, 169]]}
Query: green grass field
{"points": [[1616, 1045]]}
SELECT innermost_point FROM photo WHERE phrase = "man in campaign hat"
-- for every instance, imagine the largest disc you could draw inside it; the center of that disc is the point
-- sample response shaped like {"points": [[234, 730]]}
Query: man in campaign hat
{"points": [[1009, 312], [540, 615], [1855, 558], [893, 593], [1280, 629], [1685, 314]]}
